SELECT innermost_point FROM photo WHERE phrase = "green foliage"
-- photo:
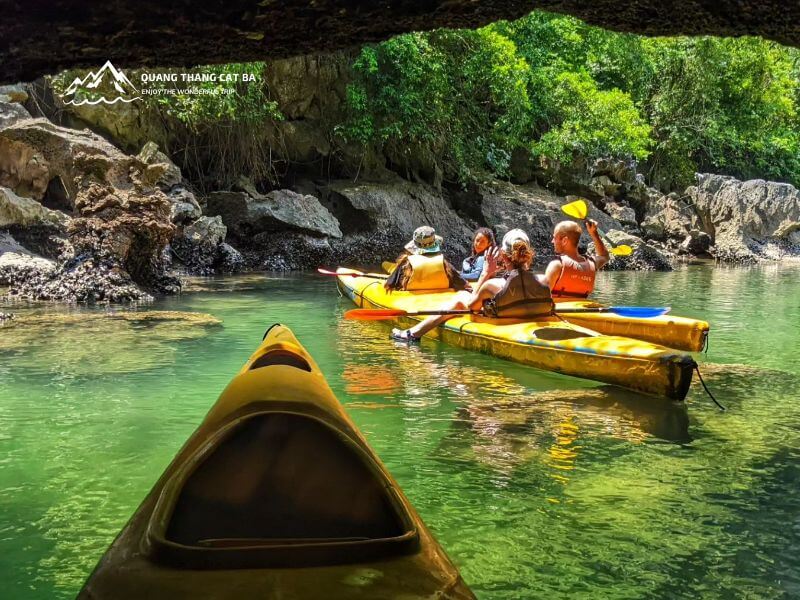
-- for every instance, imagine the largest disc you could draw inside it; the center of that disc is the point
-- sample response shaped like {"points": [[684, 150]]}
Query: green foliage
{"points": [[591, 122], [725, 105], [223, 102], [557, 87], [460, 95]]}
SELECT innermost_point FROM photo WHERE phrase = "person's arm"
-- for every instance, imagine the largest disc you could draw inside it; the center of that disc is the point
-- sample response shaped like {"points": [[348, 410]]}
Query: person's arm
{"points": [[601, 253], [552, 273], [490, 266], [471, 272], [454, 277]]}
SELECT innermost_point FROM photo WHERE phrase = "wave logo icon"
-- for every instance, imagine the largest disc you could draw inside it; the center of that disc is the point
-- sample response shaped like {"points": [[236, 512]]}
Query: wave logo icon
{"points": [[109, 85]]}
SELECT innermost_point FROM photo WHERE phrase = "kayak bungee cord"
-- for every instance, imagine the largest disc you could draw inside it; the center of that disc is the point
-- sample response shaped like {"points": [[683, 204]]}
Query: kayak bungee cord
{"points": [[705, 387]]}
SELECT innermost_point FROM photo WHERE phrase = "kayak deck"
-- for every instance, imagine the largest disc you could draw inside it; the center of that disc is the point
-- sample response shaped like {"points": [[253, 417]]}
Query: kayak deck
{"points": [[551, 343]]}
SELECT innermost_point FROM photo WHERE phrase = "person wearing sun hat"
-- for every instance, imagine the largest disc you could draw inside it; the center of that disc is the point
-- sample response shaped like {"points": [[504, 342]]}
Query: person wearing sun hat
{"points": [[519, 294], [424, 266]]}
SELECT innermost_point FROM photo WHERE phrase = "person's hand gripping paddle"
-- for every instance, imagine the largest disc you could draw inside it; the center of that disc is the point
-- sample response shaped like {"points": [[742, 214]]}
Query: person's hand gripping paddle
{"points": [[579, 210]]}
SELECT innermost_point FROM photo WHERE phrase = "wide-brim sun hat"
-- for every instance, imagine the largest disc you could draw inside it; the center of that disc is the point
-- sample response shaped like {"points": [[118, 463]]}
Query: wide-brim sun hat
{"points": [[425, 241], [513, 236]]}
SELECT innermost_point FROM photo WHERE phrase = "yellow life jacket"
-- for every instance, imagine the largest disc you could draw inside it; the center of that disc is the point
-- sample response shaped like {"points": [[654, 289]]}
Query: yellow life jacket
{"points": [[522, 297], [427, 272]]}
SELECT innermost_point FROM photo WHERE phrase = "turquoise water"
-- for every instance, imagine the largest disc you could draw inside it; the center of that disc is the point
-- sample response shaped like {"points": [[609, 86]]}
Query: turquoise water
{"points": [[537, 485]]}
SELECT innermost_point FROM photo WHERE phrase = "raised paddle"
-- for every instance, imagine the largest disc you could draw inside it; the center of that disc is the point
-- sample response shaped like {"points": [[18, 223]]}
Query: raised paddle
{"points": [[322, 271], [579, 210], [380, 314]]}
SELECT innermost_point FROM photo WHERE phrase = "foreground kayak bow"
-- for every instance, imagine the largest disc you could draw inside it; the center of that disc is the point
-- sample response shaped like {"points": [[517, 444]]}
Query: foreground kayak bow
{"points": [[276, 495]]}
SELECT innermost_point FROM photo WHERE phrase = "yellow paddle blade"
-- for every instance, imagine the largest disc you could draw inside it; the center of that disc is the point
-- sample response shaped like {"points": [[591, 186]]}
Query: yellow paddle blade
{"points": [[576, 209], [621, 250]]}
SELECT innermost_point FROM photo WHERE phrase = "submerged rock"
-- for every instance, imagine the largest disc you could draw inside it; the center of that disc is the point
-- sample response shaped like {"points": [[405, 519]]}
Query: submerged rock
{"points": [[38, 340]]}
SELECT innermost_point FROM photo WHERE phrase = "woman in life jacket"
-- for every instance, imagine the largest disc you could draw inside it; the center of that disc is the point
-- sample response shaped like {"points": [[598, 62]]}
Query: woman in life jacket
{"points": [[472, 267], [572, 274], [520, 294], [424, 267]]}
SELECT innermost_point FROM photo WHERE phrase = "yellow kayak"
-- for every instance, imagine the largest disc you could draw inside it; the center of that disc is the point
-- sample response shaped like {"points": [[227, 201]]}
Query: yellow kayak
{"points": [[680, 333], [276, 495], [551, 343]]}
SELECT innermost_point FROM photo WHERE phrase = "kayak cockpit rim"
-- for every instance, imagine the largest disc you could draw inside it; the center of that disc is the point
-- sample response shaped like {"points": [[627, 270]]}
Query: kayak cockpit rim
{"points": [[397, 533]]}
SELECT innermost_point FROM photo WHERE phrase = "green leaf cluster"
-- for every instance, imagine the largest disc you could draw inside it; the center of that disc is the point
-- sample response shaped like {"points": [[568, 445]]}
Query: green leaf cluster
{"points": [[552, 86]]}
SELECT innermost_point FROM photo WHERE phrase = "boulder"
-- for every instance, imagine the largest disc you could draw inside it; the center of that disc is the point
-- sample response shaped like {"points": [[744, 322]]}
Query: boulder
{"points": [[604, 187], [696, 243], [11, 112], [621, 212], [396, 209], [184, 207], [161, 170], [18, 263], [747, 220], [199, 247], [667, 218], [249, 214], [645, 257], [15, 93], [593, 179], [25, 212]]}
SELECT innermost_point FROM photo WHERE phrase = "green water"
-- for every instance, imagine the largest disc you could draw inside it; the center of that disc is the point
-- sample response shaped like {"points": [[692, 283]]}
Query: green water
{"points": [[537, 485]]}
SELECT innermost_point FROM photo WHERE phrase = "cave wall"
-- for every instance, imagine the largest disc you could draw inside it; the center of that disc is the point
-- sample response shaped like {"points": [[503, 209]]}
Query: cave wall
{"points": [[39, 37]]}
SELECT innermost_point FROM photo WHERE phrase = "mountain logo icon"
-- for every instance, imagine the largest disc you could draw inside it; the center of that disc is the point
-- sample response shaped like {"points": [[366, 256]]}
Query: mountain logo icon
{"points": [[108, 85]]}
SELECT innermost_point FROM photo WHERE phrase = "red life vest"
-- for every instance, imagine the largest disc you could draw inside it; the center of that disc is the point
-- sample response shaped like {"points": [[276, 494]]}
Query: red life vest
{"points": [[576, 279]]}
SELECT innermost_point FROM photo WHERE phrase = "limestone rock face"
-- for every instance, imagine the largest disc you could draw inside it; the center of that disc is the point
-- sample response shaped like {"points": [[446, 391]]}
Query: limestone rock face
{"points": [[667, 218], [25, 212], [18, 263], [747, 220], [184, 207], [646, 256], [201, 248], [163, 171], [11, 112], [622, 213], [120, 219], [249, 214], [396, 208]]}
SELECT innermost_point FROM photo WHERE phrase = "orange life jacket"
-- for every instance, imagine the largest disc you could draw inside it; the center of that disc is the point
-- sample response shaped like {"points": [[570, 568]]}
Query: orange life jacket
{"points": [[427, 272], [576, 279]]}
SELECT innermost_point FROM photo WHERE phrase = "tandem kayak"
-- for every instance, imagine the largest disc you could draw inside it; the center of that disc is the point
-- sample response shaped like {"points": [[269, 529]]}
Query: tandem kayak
{"points": [[276, 495], [550, 343], [680, 333]]}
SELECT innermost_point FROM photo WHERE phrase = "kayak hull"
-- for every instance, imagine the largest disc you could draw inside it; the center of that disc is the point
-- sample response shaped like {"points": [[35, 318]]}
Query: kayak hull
{"points": [[549, 344], [276, 495], [680, 333]]}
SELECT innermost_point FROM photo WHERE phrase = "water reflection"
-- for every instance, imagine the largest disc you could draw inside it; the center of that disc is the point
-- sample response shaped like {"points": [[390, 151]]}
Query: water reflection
{"points": [[499, 421]]}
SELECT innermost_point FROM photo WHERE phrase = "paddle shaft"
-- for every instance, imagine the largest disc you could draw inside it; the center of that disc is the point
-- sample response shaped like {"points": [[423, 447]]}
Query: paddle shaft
{"points": [[367, 275], [381, 314]]}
